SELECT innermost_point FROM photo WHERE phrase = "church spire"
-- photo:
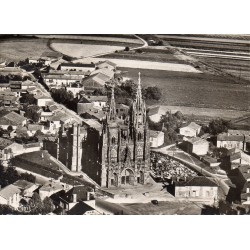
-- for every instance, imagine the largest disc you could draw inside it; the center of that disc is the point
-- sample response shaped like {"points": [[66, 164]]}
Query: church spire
{"points": [[139, 100], [112, 108]]}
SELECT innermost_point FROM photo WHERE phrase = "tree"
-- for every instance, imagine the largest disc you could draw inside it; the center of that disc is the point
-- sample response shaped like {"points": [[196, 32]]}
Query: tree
{"points": [[36, 204], [126, 48], [10, 128], [31, 112], [48, 205], [11, 175], [28, 99], [153, 93], [218, 126], [28, 177]]}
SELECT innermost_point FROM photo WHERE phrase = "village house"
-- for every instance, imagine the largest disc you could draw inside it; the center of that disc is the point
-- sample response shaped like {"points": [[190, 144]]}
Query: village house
{"points": [[68, 73], [27, 188], [88, 102], [44, 115], [33, 128], [11, 118], [82, 208], [155, 113], [10, 195], [78, 66], [196, 146], [75, 90], [107, 72], [198, 187], [58, 81], [156, 138], [95, 82], [34, 60], [190, 130], [66, 200], [94, 113], [8, 99], [43, 101], [51, 188], [4, 86], [239, 139], [106, 65]]}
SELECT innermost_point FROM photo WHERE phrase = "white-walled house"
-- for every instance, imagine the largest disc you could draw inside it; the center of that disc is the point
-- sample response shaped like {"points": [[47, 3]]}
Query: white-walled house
{"points": [[155, 113], [197, 146], [156, 138], [190, 130], [198, 187], [43, 101], [10, 195]]}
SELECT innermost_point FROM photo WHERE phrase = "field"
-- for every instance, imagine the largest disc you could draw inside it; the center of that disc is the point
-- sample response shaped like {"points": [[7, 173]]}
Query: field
{"points": [[19, 49], [154, 54], [228, 53], [83, 50], [147, 65], [129, 39], [194, 90]]}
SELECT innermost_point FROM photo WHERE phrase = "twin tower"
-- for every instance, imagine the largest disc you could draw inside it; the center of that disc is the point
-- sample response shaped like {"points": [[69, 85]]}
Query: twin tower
{"points": [[118, 153]]}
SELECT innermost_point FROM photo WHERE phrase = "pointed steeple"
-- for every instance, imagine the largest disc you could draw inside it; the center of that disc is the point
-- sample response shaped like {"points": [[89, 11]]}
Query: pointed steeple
{"points": [[139, 101], [112, 108]]}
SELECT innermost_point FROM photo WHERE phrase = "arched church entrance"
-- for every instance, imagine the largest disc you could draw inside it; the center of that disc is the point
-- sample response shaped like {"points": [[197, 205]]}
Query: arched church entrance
{"points": [[128, 177]]}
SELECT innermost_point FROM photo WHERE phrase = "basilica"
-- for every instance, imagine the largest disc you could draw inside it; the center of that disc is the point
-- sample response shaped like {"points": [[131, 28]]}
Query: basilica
{"points": [[125, 145], [115, 154]]}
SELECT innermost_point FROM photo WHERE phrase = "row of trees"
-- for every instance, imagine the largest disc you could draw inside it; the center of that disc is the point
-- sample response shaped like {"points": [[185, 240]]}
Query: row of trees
{"points": [[129, 88]]}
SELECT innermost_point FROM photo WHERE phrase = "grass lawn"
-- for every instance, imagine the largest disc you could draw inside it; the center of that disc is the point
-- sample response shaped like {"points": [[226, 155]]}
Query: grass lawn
{"points": [[193, 90], [20, 49]]}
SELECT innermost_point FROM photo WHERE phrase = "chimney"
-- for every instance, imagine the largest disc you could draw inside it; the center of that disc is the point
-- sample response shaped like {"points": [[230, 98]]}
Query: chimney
{"points": [[74, 198]]}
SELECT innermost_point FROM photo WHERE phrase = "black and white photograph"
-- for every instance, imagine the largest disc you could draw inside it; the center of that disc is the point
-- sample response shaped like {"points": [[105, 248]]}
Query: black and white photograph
{"points": [[136, 109], [111, 124]]}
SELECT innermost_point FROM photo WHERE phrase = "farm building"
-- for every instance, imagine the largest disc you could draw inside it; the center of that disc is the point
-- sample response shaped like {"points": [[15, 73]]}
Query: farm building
{"points": [[90, 102], [96, 81], [190, 130], [106, 65], [78, 66], [197, 146], [156, 138]]}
